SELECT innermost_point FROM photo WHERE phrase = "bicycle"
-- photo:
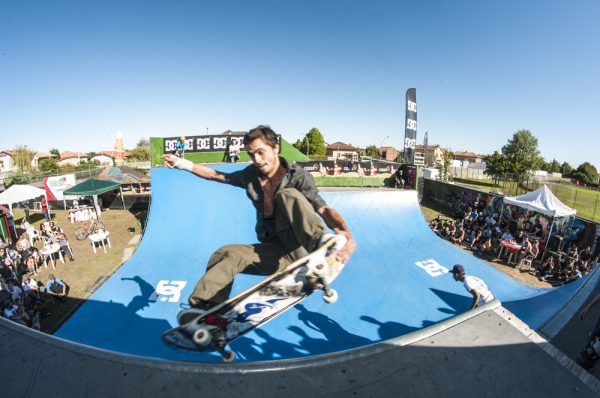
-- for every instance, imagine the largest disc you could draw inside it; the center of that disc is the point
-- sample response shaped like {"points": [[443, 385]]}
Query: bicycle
{"points": [[89, 227]]}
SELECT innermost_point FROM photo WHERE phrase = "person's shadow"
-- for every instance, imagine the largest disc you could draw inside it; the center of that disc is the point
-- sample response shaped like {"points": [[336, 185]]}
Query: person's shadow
{"points": [[388, 330], [142, 300], [338, 337], [310, 344], [273, 348]]}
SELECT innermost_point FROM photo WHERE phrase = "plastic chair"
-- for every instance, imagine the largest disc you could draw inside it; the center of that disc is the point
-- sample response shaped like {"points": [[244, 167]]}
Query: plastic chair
{"points": [[526, 264]]}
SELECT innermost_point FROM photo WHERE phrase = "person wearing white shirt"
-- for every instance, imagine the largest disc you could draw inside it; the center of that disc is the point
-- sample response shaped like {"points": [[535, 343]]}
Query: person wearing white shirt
{"points": [[474, 285]]}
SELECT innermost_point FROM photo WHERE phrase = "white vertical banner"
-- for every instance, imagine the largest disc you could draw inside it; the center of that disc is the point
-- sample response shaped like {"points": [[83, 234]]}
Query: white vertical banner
{"points": [[55, 186]]}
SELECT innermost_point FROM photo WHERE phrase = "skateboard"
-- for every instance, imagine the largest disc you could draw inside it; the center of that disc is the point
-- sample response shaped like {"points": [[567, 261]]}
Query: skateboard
{"points": [[261, 303]]}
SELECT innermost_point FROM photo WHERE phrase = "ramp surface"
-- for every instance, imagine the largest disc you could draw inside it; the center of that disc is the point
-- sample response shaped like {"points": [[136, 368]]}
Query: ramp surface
{"points": [[395, 284]]}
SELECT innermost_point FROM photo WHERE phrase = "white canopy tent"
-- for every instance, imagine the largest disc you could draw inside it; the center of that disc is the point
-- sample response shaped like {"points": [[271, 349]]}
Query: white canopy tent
{"points": [[543, 201], [20, 193]]}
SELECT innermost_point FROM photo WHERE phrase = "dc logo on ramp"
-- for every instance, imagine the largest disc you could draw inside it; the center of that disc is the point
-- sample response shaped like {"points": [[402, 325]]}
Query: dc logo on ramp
{"points": [[432, 267], [168, 291]]}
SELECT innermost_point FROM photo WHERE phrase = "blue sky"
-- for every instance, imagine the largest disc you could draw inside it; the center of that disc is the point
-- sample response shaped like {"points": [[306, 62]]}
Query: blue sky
{"points": [[73, 73]]}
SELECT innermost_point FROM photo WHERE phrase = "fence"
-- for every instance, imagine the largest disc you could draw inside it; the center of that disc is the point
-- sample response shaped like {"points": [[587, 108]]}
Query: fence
{"points": [[584, 200], [468, 172], [37, 177], [138, 165]]}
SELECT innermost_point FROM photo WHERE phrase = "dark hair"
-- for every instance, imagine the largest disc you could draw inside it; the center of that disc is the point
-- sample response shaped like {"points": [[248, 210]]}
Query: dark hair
{"points": [[265, 133]]}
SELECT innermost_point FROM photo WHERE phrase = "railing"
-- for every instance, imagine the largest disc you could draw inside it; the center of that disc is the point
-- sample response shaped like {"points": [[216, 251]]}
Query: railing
{"points": [[138, 165], [37, 177]]}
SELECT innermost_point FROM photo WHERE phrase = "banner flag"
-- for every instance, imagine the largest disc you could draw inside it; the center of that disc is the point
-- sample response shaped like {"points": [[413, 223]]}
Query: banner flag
{"points": [[425, 145], [410, 132], [55, 186]]}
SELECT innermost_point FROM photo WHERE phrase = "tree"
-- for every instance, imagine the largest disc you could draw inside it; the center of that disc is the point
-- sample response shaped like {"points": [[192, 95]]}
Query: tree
{"points": [[48, 165], [545, 166], [313, 143], [298, 145], [554, 166], [586, 173], [372, 151], [141, 152], [522, 152], [55, 152], [496, 165], [22, 158], [143, 143], [447, 157], [566, 169]]}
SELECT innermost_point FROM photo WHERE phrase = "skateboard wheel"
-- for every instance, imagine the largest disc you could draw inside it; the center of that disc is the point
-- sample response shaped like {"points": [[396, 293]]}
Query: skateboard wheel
{"points": [[331, 296], [202, 337], [228, 356]]}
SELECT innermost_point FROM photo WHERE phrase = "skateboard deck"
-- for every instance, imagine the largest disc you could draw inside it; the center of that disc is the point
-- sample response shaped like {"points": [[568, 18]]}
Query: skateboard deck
{"points": [[262, 302]]}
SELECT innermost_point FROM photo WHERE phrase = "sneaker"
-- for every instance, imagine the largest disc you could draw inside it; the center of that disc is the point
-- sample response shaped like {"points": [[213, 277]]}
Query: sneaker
{"points": [[217, 320], [188, 315]]}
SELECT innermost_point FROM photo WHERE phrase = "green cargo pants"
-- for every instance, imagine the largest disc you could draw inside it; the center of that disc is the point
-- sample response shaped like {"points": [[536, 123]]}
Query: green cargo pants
{"points": [[299, 230]]}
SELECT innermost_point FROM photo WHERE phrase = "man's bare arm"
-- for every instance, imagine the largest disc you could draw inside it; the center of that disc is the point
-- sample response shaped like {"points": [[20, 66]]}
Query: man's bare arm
{"points": [[335, 221], [172, 161], [476, 296]]}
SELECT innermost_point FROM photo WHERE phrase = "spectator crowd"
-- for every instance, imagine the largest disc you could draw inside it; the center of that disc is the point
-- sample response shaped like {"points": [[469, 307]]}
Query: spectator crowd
{"points": [[23, 298], [519, 240]]}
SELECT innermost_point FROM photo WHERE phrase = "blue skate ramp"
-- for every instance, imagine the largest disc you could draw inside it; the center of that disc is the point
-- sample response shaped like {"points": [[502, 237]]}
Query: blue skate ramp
{"points": [[397, 281]]}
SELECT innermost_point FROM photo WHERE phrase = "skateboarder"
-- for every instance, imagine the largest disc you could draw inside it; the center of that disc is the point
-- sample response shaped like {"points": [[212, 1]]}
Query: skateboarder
{"points": [[287, 203], [180, 147], [591, 353], [478, 289]]}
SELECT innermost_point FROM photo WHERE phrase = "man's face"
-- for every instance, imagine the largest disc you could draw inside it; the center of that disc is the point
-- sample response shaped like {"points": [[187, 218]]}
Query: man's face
{"points": [[458, 276], [264, 157]]}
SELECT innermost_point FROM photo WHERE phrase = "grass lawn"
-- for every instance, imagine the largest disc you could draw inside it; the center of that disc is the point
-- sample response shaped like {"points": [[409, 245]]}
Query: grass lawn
{"points": [[88, 270]]}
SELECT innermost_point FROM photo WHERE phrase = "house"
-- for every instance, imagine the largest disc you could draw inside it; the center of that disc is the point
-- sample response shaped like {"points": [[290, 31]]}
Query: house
{"points": [[7, 162], [467, 157], [39, 156], [72, 158], [433, 158], [389, 153], [107, 158], [340, 150]]}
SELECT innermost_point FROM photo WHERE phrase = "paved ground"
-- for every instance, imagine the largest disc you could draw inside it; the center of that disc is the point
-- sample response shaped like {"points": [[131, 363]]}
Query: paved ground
{"points": [[481, 353]]}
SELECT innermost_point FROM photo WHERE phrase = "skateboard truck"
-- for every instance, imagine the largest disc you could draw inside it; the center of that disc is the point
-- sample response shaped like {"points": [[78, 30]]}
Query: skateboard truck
{"points": [[330, 295], [203, 337]]}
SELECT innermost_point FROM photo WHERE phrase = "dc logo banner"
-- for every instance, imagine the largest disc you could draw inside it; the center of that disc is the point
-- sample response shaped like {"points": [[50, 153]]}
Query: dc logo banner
{"points": [[432, 267], [168, 291]]}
